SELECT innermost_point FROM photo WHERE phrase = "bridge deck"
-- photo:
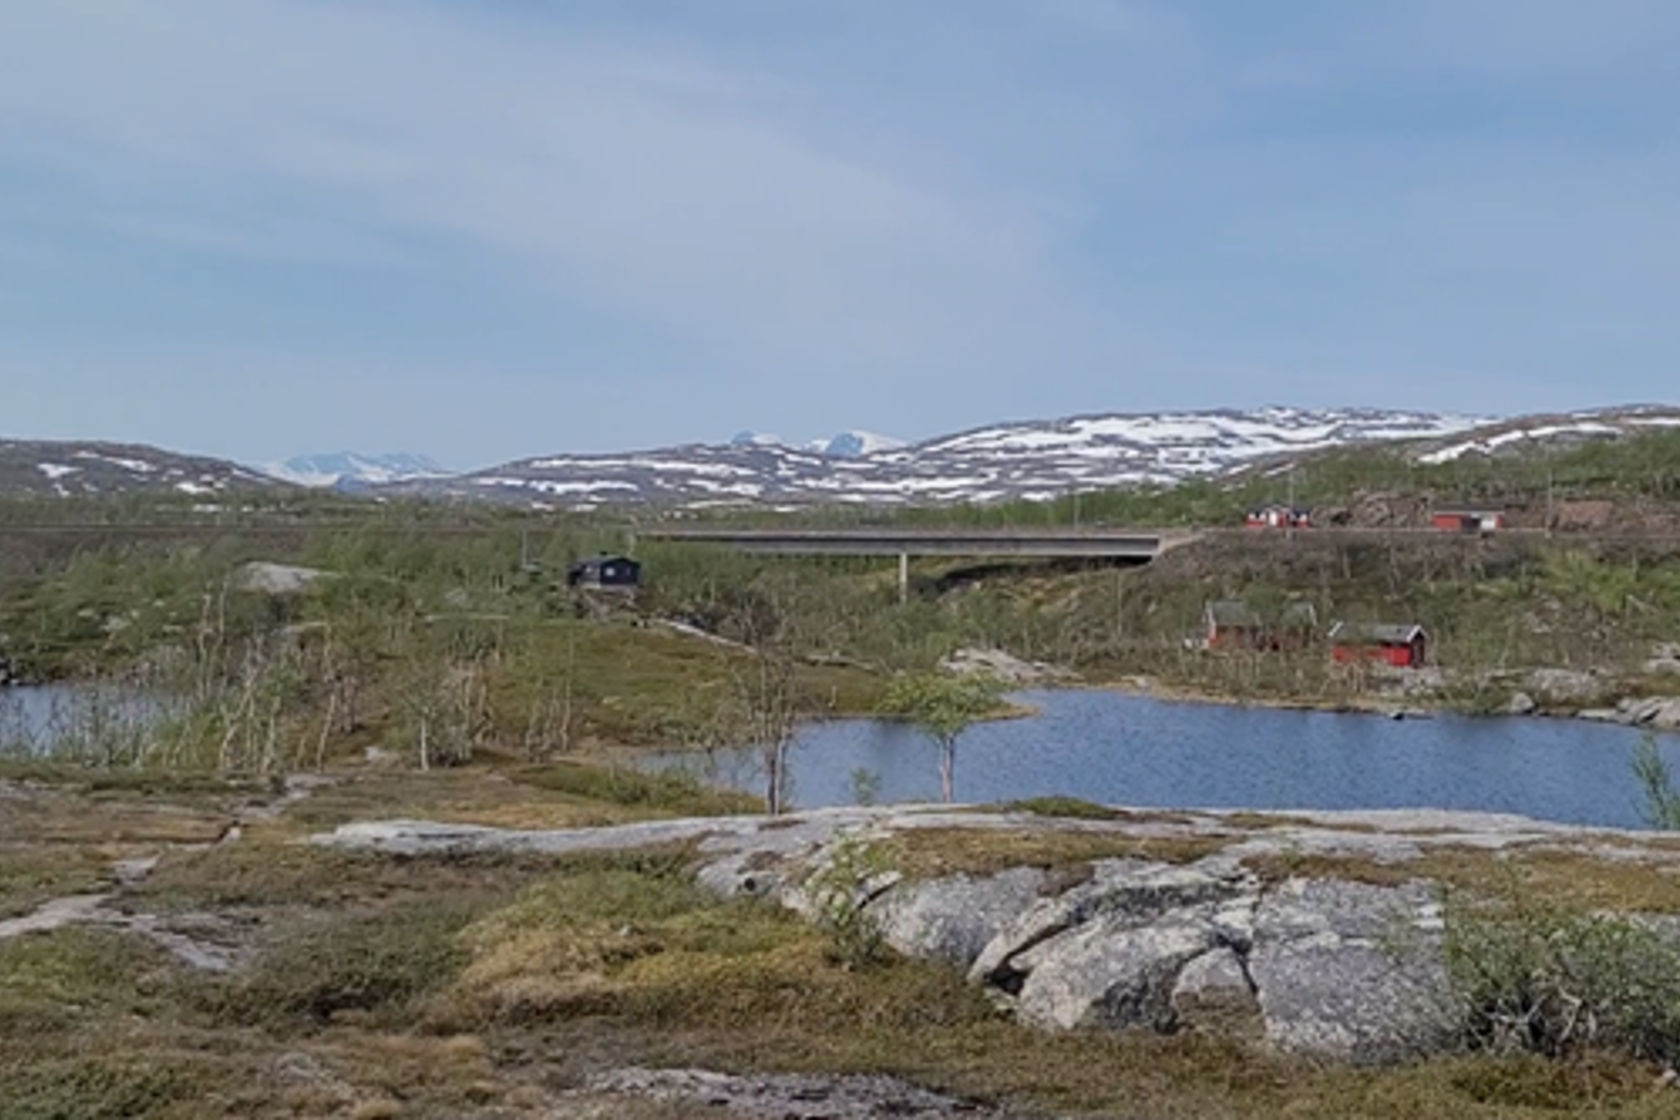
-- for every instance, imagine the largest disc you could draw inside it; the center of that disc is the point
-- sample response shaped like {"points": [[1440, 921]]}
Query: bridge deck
{"points": [[1047, 543]]}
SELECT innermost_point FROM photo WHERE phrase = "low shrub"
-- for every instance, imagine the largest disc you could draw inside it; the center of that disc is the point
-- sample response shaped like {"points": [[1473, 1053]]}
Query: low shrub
{"points": [[1534, 979], [840, 890], [1067, 808], [671, 791], [99, 1087], [371, 963]]}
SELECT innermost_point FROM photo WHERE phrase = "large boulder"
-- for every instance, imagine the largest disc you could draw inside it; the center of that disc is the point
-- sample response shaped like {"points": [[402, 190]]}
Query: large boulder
{"points": [[1006, 667], [1214, 994], [1109, 952], [1660, 712], [1565, 686], [953, 919], [1133, 891], [1352, 971], [1111, 973]]}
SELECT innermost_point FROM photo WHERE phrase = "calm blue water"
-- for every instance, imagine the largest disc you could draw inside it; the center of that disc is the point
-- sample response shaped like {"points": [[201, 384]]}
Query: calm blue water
{"points": [[1133, 750], [39, 718]]}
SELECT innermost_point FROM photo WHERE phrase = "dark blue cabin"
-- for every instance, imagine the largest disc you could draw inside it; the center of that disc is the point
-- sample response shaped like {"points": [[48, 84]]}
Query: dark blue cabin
{"points": [[616, 573]]}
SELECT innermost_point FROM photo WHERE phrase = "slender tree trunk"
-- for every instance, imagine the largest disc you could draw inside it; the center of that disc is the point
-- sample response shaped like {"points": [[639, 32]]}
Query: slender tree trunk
{"points": [[947, 769], [775, 761]]}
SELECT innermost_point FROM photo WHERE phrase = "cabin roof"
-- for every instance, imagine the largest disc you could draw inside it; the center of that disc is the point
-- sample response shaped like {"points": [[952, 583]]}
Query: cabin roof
{"points": [[1233, 613], [1237, 615], [602, 561], [1376, 633]]}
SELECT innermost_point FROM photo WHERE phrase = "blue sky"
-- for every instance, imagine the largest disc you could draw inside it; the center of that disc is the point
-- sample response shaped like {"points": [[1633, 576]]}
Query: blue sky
{"points": [[484, 230]]}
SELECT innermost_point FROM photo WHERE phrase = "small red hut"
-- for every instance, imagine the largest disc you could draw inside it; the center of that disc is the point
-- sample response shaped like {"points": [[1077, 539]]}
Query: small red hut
{"points": [[1468, 520], [1230, 624], [1279, 517], [1402, 646], [1233, 624]]}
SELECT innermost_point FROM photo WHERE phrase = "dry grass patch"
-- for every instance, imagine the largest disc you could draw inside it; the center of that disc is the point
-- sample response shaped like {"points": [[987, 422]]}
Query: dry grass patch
{"points": [[1571, 882], [933, 853], [66, 817], [32, 874], [565, 793]]}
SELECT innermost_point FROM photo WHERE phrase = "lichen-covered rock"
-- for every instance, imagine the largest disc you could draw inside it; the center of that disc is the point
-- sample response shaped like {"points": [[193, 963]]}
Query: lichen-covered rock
{"points": [[1214, 995], [1565, 686], [1111, 972], [953, 919], [1129, 890], [1661, 712], [1352, 971]]}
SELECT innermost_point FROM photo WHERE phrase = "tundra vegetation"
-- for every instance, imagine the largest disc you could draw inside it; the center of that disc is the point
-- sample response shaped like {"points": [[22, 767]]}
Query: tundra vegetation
{"points": [[440, 669]]}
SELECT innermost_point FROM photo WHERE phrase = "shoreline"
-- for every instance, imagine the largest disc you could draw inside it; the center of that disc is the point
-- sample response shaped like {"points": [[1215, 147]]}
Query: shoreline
{"points": [[1414, 708]]}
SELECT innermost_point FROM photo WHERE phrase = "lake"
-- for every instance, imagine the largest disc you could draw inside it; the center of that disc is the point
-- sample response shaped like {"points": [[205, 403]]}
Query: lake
{"points": [[1123, 749], [39, 719]]}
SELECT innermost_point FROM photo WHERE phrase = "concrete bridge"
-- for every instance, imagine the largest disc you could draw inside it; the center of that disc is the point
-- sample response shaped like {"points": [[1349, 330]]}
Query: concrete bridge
{"points": [[1132, 545]]}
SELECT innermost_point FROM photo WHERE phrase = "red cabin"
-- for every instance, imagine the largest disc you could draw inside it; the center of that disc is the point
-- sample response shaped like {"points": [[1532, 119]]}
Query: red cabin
{"points": [[1233, 624], [1468, 520], [1279, 517], [1402, 646]]}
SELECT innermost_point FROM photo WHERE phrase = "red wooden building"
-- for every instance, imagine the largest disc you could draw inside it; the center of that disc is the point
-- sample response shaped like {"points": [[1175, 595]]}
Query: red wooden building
{"points": [[1233, 624], [1402, 646], [1468, 520], [1279, 517]]}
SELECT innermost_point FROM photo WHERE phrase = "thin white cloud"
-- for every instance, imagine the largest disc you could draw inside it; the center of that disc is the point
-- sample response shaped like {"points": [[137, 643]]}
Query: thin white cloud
{"points": [[649, 183]]}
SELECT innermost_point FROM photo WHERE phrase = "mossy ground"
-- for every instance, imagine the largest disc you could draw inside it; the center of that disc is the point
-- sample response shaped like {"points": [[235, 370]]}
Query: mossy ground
{"points": [[376, 986]]}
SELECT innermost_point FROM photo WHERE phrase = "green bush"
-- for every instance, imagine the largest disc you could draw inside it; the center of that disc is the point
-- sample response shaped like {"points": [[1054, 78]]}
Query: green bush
{"points": [[1538, 980], [840, 890], [103, 1087]]}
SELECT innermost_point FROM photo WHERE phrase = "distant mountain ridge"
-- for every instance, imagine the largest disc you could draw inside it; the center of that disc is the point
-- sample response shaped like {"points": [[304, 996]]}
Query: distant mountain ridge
{"points": [[75, 468], [845, 445], [351, 470], [1032, 460]]}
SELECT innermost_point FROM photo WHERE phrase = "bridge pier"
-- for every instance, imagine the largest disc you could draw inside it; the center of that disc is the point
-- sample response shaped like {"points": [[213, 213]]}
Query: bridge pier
{"points": [[903, 578]]}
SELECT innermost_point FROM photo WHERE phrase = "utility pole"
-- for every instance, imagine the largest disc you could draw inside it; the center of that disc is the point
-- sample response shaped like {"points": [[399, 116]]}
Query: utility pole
{"points": [[1549, 510], [1119, 605], [1289, 530]]}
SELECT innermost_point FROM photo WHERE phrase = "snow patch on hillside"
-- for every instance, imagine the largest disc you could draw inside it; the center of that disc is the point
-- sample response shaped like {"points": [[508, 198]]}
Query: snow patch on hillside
{"points": [[1564, 430], [1036, 460]]}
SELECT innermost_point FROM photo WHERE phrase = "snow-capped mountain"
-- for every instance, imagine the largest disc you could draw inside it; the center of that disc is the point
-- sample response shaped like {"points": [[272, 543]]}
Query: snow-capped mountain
{"points": [[69, 468], [1034, 460], [845, 445], [352, 470], [855, 444]]}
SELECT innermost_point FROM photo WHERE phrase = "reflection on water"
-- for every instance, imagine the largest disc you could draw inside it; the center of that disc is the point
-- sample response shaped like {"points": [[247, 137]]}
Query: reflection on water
{"points": [[1133, 750]]}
